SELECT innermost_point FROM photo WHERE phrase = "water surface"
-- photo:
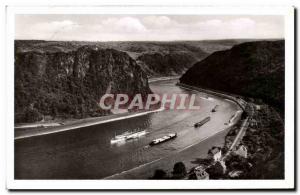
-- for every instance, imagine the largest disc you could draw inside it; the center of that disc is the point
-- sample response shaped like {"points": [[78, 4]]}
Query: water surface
{"points": [[86, 153]]}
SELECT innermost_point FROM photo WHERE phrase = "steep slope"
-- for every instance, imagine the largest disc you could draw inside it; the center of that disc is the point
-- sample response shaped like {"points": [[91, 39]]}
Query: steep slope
{"points": [[70, 83], [155, 58], [160, 64], [164, 58], [253, 69]]}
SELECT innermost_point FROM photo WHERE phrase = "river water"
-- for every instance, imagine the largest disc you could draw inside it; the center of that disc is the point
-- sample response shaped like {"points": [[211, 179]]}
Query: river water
{"points": [[86, 153]]}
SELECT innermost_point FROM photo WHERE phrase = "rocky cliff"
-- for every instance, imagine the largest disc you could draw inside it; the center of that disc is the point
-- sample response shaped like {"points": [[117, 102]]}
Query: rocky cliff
{"points": [[70, 83], [155, 58], [159, 64], [252, 69], [164, 58]]}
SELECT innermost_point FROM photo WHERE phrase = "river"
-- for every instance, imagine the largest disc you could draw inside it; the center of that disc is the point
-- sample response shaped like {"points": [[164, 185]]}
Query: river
{"points": [[86, 153]]}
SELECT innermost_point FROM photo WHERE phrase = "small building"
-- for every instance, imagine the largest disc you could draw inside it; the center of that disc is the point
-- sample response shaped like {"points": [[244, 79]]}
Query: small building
{"points": [[215, 153], [253, 123], [234, 174], [257, 107], [241, 151], [200, 173]]}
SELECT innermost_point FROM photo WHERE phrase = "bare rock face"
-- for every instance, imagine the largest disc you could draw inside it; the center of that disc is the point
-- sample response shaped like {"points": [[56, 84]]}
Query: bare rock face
{"points": [[70, 84], [175, 63], [252, 69], [155, 58]]}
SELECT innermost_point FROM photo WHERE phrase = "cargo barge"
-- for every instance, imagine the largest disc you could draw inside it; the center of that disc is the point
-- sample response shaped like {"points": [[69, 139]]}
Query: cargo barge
{"points": [[163, 139], [199, 124]]}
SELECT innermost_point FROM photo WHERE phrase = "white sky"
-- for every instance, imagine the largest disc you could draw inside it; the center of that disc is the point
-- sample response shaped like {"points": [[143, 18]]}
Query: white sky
{"points": [[146, 27]]}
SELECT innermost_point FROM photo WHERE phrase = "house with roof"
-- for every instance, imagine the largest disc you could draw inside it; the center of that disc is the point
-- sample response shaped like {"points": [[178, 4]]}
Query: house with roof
{"points": [[242, 151], [215, 153], [200, 173]]}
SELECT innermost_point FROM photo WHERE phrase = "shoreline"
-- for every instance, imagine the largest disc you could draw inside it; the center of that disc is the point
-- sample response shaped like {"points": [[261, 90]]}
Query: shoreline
{"points": [[226, 96], [80, 123], [155, 79], [185, 154], [26, 130], [190, 152]]}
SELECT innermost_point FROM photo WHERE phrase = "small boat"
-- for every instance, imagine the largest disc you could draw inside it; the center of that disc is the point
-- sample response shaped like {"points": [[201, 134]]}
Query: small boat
{"points": [[163, 139], [214, 109], [127, 136], [202, 122]]}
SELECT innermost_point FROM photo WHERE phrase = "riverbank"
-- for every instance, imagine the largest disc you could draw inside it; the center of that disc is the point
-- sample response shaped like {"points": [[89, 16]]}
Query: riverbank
{"points": [[24, 130], [63, 155], [190, 155], [264, 143], [155, 79], [235, 98], [67, 125]]}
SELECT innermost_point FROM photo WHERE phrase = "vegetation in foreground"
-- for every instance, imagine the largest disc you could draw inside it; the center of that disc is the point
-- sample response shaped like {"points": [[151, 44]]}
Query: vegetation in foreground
{"points": [[264, 159]]}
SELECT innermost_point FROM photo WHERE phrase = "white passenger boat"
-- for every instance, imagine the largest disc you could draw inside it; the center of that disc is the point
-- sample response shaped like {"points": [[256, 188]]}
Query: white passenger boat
{"points": [[127, 136]]}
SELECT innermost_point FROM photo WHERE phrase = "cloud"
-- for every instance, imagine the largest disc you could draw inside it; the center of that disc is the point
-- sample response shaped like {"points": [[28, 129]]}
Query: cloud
{"points": [[210, 23], [234, 28], [235, 24], [155, 27], [159, 21], [242, 24], [123, 24], [48, 30]]}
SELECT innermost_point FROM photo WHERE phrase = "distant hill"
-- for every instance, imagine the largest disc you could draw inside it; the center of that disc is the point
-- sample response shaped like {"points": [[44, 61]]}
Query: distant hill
{"points": [[252, 69], [65, 79], [155, 58]]}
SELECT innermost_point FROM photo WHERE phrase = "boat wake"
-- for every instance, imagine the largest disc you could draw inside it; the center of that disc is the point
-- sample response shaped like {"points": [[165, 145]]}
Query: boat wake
{"points": [[127, 136]]}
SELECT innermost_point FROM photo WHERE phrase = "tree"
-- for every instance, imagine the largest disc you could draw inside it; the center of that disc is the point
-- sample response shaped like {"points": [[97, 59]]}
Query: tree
{"points": [[32, 115], [215, 171], [179, 170]]}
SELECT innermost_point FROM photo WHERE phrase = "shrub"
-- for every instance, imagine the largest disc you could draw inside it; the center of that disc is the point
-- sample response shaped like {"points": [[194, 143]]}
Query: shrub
{"points": [[215, 171], [179, 170]]}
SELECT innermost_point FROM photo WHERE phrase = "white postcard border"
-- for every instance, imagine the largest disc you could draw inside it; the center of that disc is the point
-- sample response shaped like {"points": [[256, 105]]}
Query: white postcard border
{"points": [[287, 183]]}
